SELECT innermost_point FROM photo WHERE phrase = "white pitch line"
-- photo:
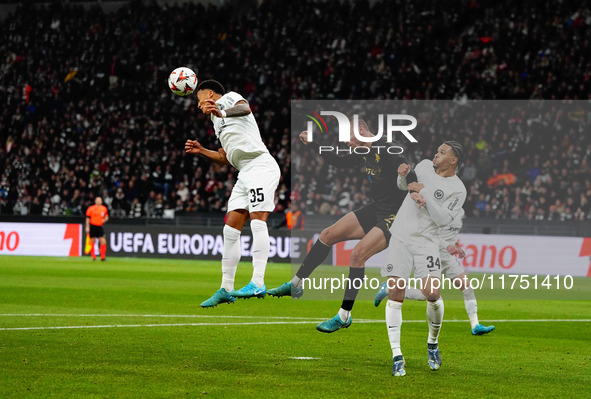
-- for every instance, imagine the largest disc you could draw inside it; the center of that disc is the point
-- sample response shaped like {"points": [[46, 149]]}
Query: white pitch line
{"points": [[360, 321], [174, 316], [155, 325], [484, 320]]}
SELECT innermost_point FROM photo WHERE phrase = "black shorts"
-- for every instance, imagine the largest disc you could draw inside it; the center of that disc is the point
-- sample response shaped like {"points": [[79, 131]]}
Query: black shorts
{"points": [[96, 231], [369, 216]]}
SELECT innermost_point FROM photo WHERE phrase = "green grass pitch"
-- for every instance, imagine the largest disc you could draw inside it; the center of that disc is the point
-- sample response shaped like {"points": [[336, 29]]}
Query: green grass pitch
{"points": [[155, 341]]}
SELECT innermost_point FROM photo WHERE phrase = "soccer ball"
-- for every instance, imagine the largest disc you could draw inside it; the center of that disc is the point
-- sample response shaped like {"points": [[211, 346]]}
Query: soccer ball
{"points": [[182, 81]]}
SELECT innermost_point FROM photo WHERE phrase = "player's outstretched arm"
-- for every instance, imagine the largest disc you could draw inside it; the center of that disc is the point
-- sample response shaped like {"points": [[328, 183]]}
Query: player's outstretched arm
{"points": [[195, 148]]}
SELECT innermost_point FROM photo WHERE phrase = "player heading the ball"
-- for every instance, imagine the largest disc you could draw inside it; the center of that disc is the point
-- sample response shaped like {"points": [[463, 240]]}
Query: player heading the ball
{"points": [[254, 192]]}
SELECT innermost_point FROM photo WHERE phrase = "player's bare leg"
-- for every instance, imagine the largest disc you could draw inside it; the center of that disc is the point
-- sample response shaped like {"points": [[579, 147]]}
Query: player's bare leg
{"points": [[230, 257], [435, 308], [372, 243], [346, 228], [396, 290], [471, 305], [260, 255]]}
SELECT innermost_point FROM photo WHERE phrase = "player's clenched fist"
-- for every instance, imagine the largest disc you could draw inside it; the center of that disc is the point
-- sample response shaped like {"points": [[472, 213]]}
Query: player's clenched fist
{"points": [[403, 169], [304, 137]]}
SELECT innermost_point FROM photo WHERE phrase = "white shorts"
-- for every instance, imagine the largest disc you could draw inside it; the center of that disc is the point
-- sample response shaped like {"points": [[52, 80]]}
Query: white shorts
{"points": [[402, 259], [255, 188], [450, 265]]}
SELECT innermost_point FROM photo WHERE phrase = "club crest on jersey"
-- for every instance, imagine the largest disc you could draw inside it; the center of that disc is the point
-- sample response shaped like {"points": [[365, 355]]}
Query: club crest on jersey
{"points": [[438, 194]]}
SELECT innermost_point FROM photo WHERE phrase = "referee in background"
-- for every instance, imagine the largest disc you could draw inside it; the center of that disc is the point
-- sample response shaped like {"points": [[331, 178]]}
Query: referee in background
{"points": [[96, 215]]}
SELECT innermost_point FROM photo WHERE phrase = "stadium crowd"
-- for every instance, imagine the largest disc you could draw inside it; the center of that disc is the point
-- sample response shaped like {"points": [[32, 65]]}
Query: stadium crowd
{"points": [[534, 166], [87, 110]]}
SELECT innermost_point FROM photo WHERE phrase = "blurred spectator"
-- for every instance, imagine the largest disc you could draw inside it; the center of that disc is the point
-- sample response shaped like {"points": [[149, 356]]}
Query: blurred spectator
{"points": [[182, 192], [295, 218], [136, 209], [482, 203], [505, 178]]}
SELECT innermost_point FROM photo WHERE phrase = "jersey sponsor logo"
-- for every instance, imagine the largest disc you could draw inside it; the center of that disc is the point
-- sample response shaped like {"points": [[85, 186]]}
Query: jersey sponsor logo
{"points": [[438, 194], [453, 204], [373, 171]]}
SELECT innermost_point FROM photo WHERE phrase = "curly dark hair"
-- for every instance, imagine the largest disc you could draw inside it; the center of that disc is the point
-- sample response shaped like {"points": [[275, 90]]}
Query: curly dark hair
{"points": [[212, 85]]}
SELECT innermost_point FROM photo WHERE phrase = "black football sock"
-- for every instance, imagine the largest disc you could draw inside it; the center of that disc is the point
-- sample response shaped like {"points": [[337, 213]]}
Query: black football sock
{"points": [[315, 257], [356, 275]]}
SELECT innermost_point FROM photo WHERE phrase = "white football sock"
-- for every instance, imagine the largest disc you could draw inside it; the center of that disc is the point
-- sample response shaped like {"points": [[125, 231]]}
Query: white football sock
{"points": [[394, 324], [471, 306], [260, 250], [415, 294], [296, 281], [434, 317], [344, 314], [230, 257]]}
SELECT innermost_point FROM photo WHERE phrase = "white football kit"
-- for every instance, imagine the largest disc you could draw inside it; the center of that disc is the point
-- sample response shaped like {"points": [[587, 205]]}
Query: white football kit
{"points": [[259, 173], [415, 232]]}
